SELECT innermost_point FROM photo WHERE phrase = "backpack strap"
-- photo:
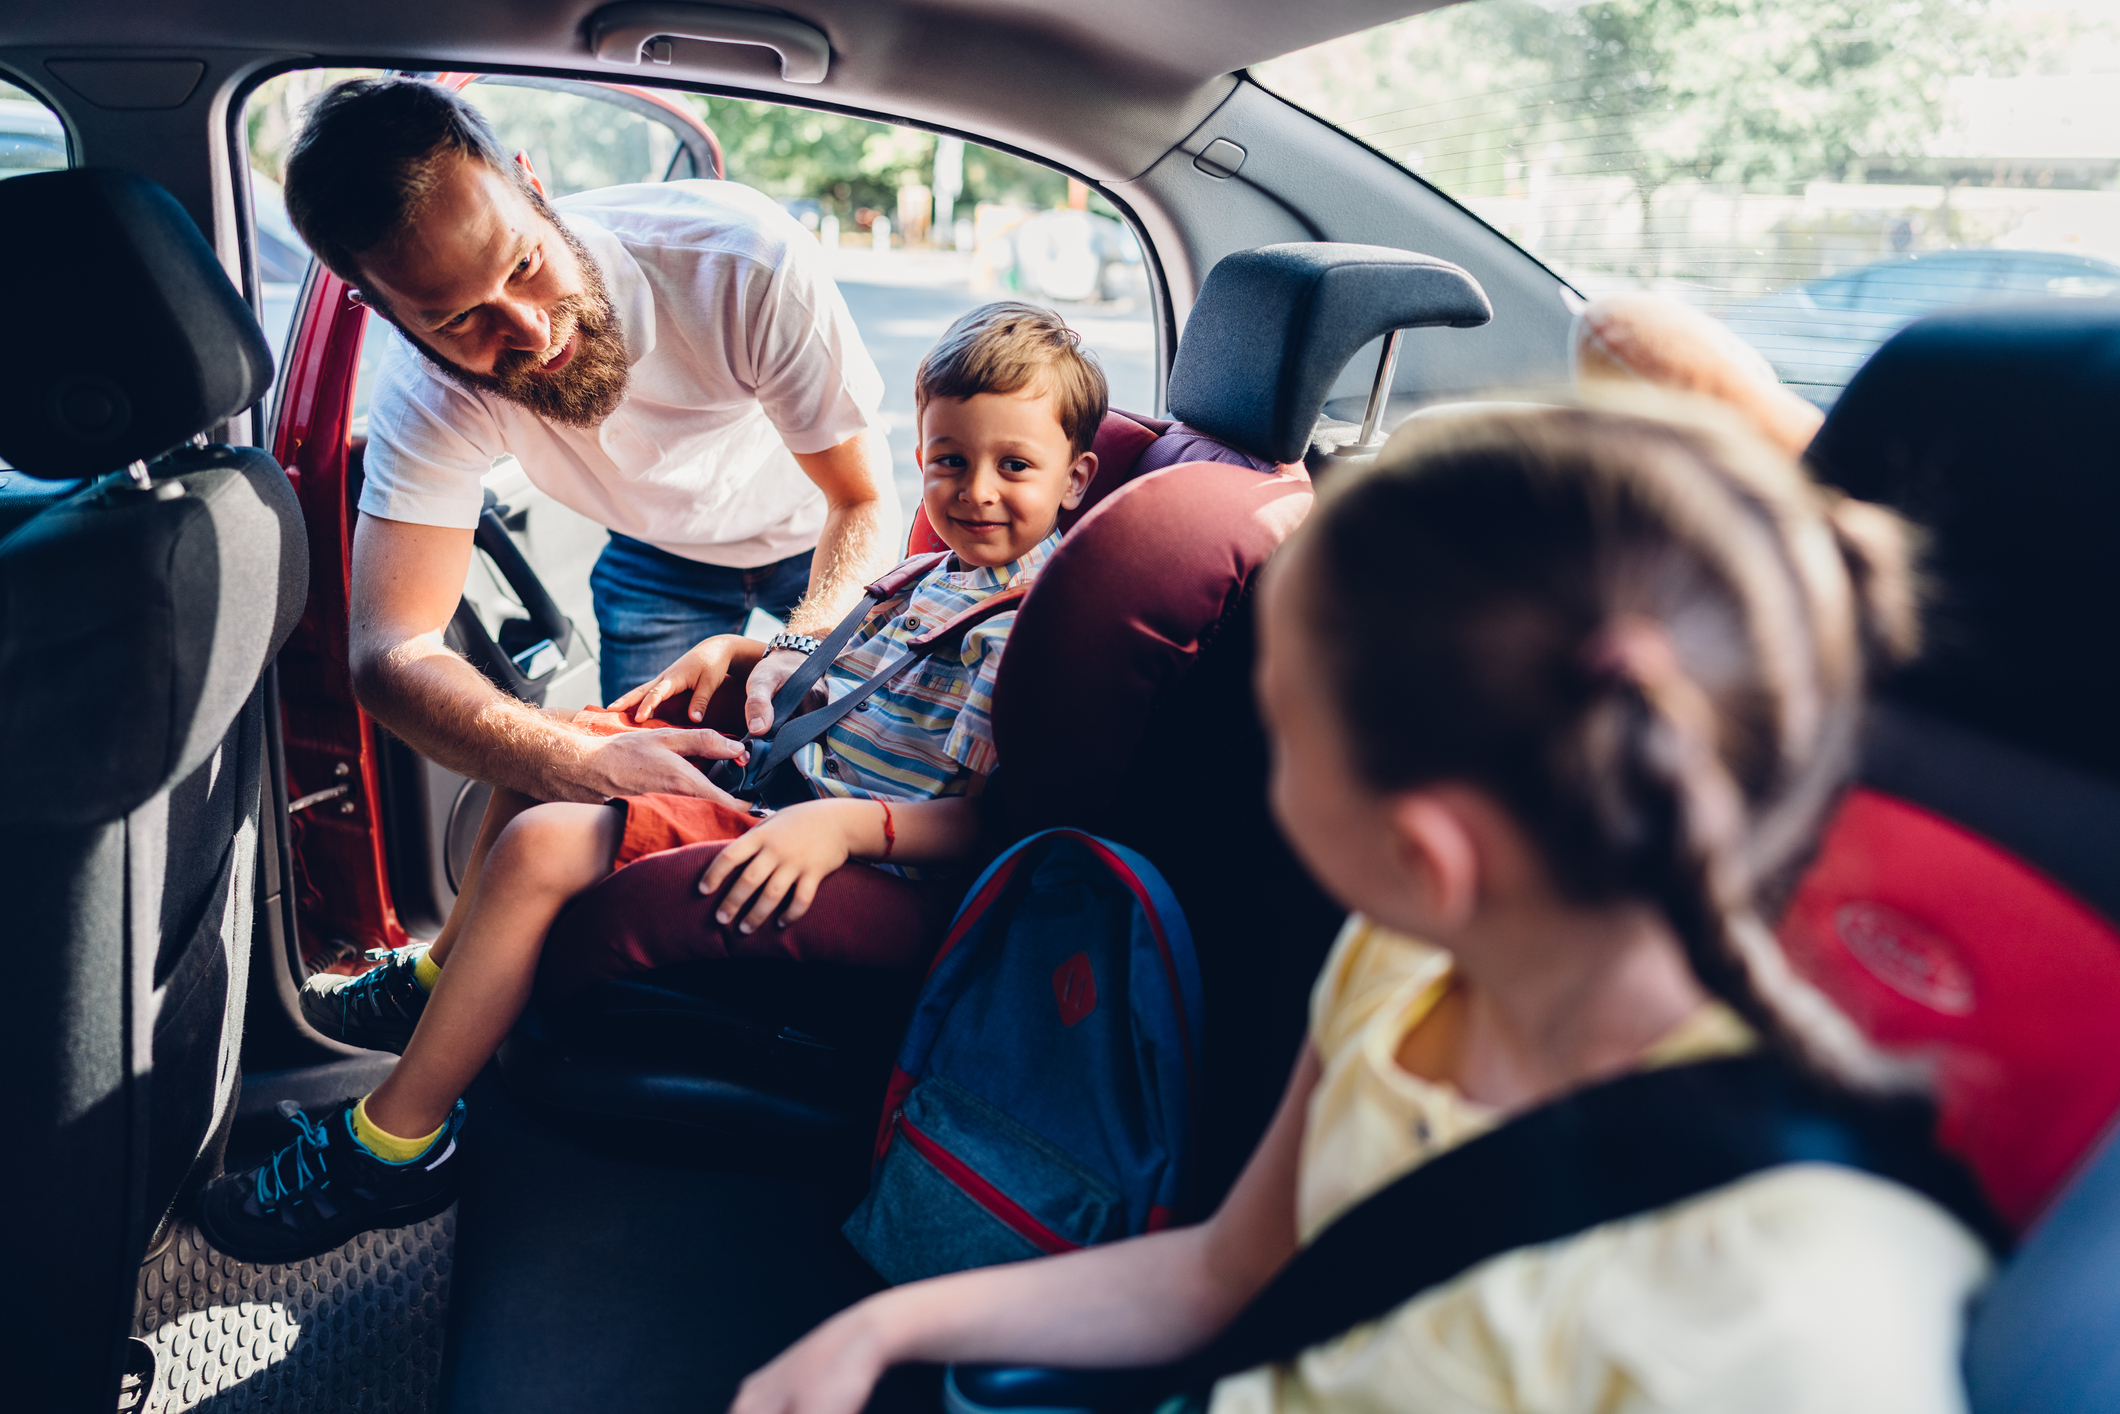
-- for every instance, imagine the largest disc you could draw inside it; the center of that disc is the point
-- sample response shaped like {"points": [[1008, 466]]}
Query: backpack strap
{"points": [[1611, 1151]]}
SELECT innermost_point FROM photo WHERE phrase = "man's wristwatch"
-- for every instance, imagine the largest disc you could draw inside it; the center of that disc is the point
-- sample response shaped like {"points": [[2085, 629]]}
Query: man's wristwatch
{"points": [[801, 642]]}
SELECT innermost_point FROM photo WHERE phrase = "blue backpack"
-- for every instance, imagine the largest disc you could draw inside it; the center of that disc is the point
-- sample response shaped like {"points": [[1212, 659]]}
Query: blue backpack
{"points": [[1044, 1096]]}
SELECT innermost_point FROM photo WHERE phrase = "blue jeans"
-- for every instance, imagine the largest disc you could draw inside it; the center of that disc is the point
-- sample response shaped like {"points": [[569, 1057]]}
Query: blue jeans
{"points": [[651, 605]]}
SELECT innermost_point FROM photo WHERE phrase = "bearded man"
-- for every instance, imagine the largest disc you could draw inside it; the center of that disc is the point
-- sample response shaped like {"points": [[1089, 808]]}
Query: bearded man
{"points": [[671, 361]]}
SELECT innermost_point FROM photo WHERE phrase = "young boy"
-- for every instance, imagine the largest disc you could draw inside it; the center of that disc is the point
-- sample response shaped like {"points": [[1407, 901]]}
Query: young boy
{"points": [[1009, 405]]}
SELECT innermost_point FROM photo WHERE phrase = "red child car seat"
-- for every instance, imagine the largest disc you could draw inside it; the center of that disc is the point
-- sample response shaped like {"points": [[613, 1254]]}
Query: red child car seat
{"points": [[1965, 900], [1123, 706]]}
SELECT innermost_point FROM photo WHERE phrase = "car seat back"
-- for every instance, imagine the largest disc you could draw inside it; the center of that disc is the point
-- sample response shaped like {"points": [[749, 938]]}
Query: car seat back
{"points": [[1965, 902], [1123, 705], [137, 615]]}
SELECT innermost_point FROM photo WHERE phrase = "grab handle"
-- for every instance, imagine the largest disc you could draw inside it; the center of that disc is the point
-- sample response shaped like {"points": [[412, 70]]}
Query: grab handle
{"points": [[620, 33]]}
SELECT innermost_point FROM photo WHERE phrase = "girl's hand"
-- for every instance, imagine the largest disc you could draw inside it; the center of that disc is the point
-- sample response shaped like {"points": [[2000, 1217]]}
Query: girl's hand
{"points": [[702, 669], [786, 857], [832, 1370]]}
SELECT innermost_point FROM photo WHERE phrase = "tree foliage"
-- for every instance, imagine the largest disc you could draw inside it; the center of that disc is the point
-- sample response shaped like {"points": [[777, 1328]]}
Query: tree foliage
{"points": [[1755, 94], [848, 163]]}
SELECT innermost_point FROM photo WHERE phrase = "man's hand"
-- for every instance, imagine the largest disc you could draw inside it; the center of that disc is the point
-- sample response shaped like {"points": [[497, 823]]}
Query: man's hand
{"points": [[653, 763], [700, 671], [785, 858], [771, 674]]}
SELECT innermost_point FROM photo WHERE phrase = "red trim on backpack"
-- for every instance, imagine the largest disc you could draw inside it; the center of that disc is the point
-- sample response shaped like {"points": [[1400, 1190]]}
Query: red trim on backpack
{"points": [[983, 1193], [1159, 1217], [893, 1101], [974, 908]]}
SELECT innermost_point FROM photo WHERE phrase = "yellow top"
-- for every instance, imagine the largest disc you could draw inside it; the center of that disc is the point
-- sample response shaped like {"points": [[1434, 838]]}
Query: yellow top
{"points": [[1805, 1288]]}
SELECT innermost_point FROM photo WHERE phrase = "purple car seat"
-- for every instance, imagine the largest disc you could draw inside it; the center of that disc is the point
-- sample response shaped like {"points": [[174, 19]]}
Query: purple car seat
{"points": [[1123, 706]]}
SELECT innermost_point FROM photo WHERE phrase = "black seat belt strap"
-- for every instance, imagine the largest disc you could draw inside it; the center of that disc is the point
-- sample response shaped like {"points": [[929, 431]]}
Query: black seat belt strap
{"points": [[799, 683], [1606, 1153], [1612, 1151], [791, 736]]}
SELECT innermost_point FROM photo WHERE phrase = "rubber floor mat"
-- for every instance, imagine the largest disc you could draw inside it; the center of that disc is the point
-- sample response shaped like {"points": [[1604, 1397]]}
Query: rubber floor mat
{"points": [[358, 1329]]}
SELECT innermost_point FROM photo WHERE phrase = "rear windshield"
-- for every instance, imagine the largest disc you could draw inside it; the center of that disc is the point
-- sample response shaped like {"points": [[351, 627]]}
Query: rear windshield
{"points": [[1817, 173]]}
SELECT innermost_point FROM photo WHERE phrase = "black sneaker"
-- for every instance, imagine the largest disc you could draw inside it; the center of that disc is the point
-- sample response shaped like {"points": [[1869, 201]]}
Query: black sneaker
{"points": [[375, 1010], [325, 1189]]}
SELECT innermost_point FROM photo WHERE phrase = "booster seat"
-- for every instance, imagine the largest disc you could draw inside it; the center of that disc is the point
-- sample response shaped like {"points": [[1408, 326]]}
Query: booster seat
{"points": [[1123, 706], [1965, 902]]}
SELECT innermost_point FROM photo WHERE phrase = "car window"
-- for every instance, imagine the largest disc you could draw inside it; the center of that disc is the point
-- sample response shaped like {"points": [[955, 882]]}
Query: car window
{"points": [[32, 139], [1794, 166]]}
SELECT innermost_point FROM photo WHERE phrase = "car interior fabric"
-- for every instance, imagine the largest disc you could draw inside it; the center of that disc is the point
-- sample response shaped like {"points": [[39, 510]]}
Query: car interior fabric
{"points": [[85, 401], [2041, 1337], [1992, 429], [1990, 807], [1313, 304], [129, 835]]}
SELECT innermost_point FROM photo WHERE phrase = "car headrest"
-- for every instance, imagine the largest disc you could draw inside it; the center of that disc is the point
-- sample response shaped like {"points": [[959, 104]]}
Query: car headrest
{"points": [[1273, 328], [128, 336], [1992, 429]]}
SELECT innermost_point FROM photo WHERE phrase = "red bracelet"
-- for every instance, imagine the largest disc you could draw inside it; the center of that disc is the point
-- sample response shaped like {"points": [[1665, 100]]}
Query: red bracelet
{"points": [[890, 836]]}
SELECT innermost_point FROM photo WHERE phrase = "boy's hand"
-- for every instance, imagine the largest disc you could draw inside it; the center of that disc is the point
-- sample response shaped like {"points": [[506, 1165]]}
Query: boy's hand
{"points": [[785, 858], [702, 669], [766, 679]]}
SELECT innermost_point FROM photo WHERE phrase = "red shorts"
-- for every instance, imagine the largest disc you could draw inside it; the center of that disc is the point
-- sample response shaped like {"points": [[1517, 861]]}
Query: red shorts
{"points": [[649, 912]]}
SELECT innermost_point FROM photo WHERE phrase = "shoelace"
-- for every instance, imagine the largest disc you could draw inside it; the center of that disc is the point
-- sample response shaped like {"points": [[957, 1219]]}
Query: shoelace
{"points": [[365, 989], [314, 1139]]}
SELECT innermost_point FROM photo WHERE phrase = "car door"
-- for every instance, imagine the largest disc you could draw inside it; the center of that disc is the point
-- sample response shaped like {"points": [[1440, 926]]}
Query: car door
{"points": [[381, 834]]}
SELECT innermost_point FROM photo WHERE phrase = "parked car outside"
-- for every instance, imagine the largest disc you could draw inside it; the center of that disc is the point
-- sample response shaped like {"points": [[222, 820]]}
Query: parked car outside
{"points": [[1818, 333]]}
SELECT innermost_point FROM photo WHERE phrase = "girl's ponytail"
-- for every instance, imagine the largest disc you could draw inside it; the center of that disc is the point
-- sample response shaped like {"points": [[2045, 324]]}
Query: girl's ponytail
{"points": [[1695, 866], [1650, 636]]}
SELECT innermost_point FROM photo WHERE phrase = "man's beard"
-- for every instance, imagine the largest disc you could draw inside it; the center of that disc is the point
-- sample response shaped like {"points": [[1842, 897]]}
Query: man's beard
{"points": [[590, 386]]}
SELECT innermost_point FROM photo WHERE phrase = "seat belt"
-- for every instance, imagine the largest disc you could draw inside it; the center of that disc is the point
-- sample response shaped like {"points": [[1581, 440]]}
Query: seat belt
{"points": [[790, 732], [1611, 1151]]}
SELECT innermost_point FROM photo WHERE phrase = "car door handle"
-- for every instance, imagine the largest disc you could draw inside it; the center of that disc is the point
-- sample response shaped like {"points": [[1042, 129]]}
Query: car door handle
{"points": [[527, 672]]}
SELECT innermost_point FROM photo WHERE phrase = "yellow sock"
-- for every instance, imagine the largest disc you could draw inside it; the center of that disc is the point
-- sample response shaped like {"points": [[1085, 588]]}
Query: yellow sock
{"points": [[388, 1147], [426, 971]]}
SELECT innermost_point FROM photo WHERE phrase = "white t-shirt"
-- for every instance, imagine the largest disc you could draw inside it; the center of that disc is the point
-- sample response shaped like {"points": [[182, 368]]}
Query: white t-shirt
{"points": [[743, 353]]}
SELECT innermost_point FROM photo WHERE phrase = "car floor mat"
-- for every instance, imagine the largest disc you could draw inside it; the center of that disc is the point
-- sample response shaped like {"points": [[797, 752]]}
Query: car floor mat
{"points": [[357, 1329]]}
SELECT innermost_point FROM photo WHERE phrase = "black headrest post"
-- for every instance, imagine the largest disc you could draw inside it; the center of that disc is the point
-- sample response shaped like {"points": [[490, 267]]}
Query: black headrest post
{"points": [[140, 340], [1273, 328]]}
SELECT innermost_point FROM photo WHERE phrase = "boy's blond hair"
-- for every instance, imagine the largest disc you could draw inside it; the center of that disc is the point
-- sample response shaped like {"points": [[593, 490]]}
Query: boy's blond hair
{"points": [[1009, 346]]}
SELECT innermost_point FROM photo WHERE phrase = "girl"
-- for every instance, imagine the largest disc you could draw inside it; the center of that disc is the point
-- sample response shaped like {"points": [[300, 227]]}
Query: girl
{"points": [[1556, 695]]}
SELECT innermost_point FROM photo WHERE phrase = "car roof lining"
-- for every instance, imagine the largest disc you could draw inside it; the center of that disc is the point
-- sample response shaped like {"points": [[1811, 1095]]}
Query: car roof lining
{"points": [[1104, 87]]}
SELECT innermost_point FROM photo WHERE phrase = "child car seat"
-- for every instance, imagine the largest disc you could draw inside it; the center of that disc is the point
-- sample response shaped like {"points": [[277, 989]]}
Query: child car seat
{"points": [[1966, 899], [139, 608], [1123, 706]]}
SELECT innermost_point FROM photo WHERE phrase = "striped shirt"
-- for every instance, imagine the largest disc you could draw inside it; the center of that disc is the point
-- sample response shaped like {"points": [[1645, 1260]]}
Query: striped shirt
{"points": [[928, 731]]}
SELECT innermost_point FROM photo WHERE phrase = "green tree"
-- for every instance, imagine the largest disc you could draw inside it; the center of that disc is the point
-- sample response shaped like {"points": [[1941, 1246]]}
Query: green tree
{"points": [[848, 163], [1749, 95]]}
